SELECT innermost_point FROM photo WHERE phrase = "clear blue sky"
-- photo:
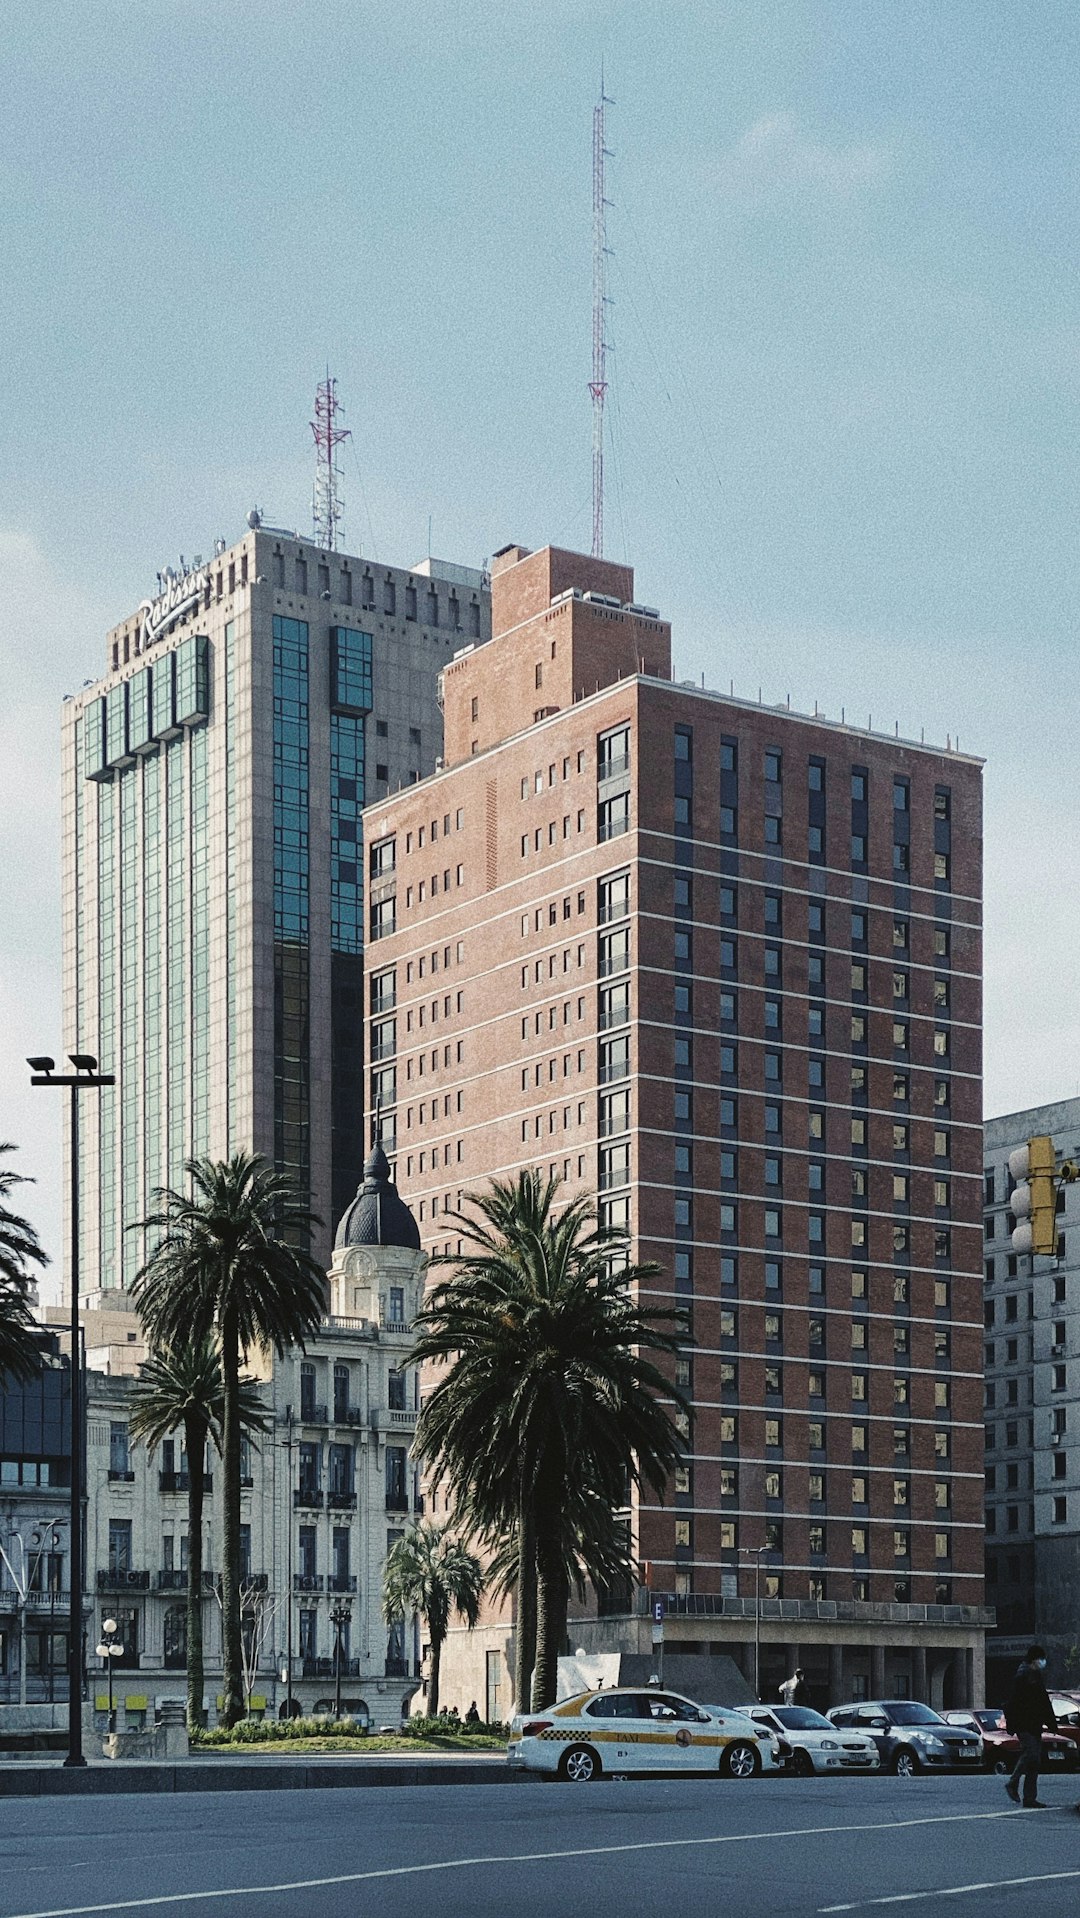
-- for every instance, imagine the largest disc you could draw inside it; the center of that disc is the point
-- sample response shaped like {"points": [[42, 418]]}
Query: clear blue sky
{"points": [[845, 416]]}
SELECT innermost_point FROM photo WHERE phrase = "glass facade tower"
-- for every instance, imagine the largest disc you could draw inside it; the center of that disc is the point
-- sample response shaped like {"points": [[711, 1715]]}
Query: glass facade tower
{"points": [[213, 866]]}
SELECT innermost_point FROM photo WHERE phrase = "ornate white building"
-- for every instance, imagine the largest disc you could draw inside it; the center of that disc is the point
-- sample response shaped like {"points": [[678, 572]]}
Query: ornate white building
{"points": [[326, 1493]]}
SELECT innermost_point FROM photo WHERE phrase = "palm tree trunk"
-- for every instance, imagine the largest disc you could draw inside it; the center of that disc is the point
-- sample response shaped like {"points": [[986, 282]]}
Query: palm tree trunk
{"points": [[232, 1650], [433, 1673], [525, 1638], [551, 1606], [195, 1441]]}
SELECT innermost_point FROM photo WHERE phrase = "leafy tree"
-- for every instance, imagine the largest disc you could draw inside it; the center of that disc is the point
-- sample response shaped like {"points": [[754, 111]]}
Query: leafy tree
{"points": [[181, 1386], [431, 1572], [548, 1405], [20, 1354], [232, 1264]]}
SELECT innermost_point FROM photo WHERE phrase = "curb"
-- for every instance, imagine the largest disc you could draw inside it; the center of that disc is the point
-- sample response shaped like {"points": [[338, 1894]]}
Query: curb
{"points": [[47, 1781]]}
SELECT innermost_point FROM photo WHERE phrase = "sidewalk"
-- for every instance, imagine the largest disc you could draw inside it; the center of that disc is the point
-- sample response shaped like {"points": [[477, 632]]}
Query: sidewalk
{"points": [[109, 1776]]}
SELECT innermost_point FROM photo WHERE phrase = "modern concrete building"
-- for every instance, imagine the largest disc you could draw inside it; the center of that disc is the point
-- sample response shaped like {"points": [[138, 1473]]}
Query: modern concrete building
{"points": [[721, 964], [325, 1495], [1032, 1314], [35, 1477], [213, 781]]}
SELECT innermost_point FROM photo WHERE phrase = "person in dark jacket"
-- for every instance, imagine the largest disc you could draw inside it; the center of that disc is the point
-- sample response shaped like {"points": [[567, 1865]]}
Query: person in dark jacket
{"points": [[1027, 1712]]}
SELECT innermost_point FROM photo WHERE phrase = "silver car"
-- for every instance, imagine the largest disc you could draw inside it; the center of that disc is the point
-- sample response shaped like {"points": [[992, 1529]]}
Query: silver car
{"points": [[817, 1744]]}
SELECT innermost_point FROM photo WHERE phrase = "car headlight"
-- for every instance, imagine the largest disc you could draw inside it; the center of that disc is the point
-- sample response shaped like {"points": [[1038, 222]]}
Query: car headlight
{"points": [[926, 1738], [829, 1745]]}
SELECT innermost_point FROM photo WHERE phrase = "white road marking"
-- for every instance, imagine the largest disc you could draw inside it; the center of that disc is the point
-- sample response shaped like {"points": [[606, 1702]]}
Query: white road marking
{"points": [[953, 1891], [512, 1858]]}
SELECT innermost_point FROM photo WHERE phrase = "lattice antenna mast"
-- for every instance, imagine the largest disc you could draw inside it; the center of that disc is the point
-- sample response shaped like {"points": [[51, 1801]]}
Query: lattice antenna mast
{"points": [[598, 383], [327, 503]]}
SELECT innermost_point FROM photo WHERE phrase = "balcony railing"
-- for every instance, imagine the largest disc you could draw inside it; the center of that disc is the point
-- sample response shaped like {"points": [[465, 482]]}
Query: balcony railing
{"points": [[121, 1478], [342, 1582], [176, 1580], [388, 1415], [313, 1415], [397, 1668], [308, 1497], [341, 1501], [121, 1579], [612, 768], [324, 1668], [397, 1326], [349, 1414], [308, 1582], [179, 1481], [397, 1502], [847, 1611]]}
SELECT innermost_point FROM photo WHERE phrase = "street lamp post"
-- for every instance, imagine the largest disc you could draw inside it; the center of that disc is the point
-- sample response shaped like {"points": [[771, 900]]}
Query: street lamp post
{"points": [[43, 1073], [754, 1552], [339, 1618], [108, 1650]]}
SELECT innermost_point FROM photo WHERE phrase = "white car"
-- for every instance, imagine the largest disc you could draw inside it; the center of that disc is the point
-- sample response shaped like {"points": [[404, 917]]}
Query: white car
{"points": [[622, 1729], [817, 1744]]}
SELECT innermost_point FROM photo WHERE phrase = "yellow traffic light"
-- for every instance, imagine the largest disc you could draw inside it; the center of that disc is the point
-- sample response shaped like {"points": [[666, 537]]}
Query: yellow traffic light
{"points": [[1034, 1202]]}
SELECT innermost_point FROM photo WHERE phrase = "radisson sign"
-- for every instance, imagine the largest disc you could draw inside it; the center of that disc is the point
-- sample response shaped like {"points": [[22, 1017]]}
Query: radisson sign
{"points": [[181, 595]]}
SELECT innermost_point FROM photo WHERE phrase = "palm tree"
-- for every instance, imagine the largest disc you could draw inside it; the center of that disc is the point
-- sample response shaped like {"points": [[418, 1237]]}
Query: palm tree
{"points": [[20, 1354], [547, 1398], [181, 1386], [431, 1572], [233, 1264]]}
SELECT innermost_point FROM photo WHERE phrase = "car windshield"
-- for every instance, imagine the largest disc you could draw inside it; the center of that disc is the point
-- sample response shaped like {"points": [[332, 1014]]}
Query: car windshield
{"points": [[798, 1718], [904, 1711], [994, 1721]]}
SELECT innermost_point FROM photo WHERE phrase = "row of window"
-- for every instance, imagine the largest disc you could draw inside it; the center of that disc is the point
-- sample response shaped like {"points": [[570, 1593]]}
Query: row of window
{"points": [[418, 604]]}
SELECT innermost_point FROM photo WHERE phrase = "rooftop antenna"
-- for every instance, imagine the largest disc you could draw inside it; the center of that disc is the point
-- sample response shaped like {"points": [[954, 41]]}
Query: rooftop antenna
{"points": [[598, 383], [326, 502]]}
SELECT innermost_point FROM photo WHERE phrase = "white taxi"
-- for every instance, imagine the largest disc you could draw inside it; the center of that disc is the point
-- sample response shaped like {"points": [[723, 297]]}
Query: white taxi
{"points": [[622, 1730]]}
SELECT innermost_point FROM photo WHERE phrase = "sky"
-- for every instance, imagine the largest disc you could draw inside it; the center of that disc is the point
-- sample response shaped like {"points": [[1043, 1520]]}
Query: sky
{"points": [[844, 416]]}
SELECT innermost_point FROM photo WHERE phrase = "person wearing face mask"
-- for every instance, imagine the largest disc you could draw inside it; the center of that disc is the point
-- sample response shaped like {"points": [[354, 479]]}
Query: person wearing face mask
{"points": [[1027, 1713]]}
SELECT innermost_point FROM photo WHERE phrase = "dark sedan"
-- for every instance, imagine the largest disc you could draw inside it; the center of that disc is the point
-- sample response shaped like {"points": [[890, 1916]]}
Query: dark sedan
{"points": [[910, 1737]]}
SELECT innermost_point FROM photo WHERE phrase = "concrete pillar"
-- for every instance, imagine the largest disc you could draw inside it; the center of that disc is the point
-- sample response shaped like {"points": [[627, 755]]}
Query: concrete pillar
{"points": [[744, 1652], [837, 1694], [968, 1696], [877, 1671], [978, 1672], [918, 1673]]}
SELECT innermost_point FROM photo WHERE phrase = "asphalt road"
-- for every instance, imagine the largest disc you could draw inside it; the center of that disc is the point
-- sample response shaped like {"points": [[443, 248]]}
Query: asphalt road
{"points": [[785, 1848]]}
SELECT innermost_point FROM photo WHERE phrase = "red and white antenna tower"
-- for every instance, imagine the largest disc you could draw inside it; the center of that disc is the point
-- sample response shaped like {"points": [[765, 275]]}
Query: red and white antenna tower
{"points": [[598, 383], [326, 503]]}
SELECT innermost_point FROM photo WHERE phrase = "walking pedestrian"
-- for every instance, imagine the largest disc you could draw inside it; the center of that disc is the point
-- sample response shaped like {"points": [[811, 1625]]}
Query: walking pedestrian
{"points": [[1027, 1713], [794, 1691]]}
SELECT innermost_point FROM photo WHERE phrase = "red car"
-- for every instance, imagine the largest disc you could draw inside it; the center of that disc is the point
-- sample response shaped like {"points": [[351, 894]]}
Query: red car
{"points": [[1001, 1747]]}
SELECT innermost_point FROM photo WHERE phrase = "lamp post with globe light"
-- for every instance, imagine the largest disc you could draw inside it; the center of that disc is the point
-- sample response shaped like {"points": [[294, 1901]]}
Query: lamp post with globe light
{"points": [[108, 1650]]}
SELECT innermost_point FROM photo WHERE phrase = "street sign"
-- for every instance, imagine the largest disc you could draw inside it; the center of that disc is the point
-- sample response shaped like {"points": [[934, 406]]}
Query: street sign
{"points": [[658, 1610]]}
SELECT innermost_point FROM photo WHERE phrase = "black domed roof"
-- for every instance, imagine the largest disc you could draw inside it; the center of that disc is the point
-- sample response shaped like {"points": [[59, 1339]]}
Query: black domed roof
{"points": [[378, 1215]]}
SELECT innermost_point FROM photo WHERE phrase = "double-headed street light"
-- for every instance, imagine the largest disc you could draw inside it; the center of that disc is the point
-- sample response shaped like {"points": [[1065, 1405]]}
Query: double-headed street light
{"points": [[754, 1552], [108, 1650], [85, 1076]]}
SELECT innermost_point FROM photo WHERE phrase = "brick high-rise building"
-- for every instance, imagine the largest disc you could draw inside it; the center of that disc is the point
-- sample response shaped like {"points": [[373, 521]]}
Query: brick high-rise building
{"points": [[719, 963]]}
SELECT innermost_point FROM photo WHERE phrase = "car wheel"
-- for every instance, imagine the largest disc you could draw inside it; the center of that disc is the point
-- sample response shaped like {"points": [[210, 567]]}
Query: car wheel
{"points": [[740, 1761], [1001, 1766], [905, 1764], [803, 1765], [580, 1765]]}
